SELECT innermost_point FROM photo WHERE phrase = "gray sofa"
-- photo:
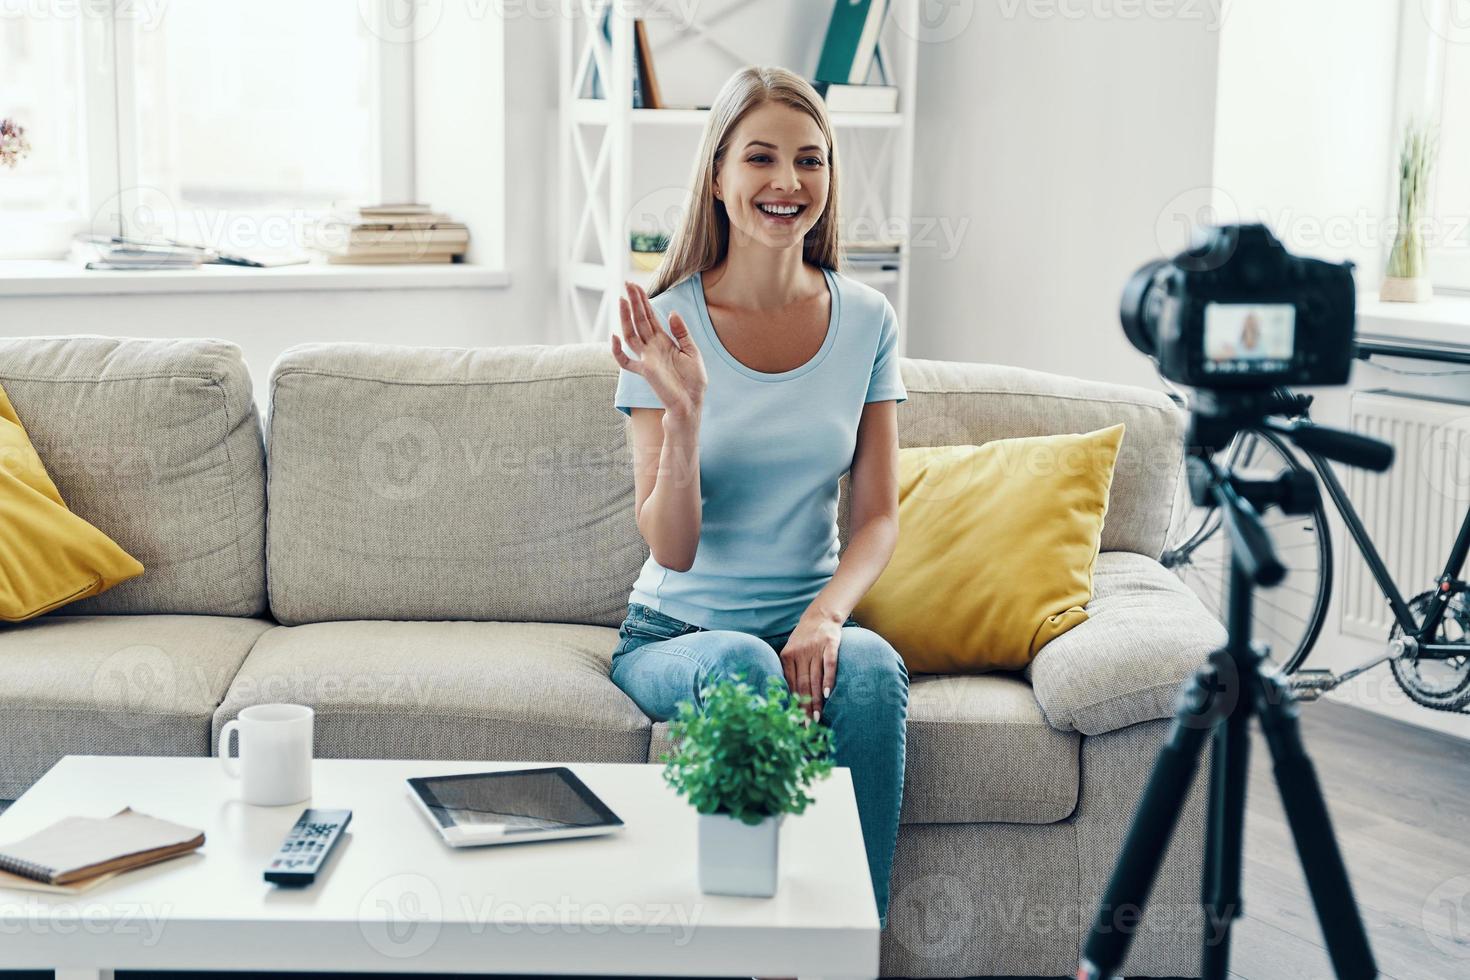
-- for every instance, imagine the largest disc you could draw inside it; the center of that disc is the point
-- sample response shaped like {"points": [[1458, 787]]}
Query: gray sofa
{"points": [[436, 552]]}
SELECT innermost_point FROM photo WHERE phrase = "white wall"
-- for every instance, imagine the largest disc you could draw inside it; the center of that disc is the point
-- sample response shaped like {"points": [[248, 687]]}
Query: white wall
{"points": [[264, 324], [1060, 142]]}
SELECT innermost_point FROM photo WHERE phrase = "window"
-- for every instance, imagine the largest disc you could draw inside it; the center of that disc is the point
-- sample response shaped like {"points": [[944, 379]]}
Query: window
{"points": [[1434, 83], [253, 110], [228, 123], [41, 84]]}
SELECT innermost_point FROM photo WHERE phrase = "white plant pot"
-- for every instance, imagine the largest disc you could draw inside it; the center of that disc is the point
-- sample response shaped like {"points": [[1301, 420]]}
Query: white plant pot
{"points": [[1394, 289], [737, 858]]}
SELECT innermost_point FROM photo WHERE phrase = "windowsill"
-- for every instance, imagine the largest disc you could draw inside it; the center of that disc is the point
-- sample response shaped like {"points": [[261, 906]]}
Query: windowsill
{"points": [[58, 277], [1444, 319]]}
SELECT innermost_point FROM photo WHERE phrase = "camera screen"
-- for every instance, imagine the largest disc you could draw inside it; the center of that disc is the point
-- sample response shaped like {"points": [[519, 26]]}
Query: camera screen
{"points": [[1249, 338]]}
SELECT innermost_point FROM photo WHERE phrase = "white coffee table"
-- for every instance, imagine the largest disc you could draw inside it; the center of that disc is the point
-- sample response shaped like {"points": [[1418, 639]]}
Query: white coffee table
{"points": [[394, 898]]}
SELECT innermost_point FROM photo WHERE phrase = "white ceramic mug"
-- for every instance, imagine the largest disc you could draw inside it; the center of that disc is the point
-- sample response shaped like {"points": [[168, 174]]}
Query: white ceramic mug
{"points": [[274, 767]]}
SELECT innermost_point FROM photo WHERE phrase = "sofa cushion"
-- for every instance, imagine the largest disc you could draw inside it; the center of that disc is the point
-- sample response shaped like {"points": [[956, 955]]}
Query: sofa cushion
{"points": [[977, 751], [452, 690], [112, 685], [449, 483], [1146, 632], [955, 403], [157, 444], [49, 555], [1034, 508]]}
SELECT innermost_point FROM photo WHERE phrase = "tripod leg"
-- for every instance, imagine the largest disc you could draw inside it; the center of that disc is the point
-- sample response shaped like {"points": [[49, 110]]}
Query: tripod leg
{"points": [[1149, 834], [1311, 829], [1225, 838]]}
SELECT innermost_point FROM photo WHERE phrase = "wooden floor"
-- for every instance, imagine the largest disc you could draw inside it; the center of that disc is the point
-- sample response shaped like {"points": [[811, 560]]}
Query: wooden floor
{"points": [[1400, 802]]}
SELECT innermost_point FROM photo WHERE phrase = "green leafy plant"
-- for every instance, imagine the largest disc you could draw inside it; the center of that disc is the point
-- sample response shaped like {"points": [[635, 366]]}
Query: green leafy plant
{"points": [[748, 755], [1416, 162], [644, 241]]}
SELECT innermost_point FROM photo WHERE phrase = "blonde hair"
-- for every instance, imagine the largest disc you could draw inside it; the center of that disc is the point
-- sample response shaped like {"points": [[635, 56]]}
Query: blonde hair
{"points": [[703, 236]]}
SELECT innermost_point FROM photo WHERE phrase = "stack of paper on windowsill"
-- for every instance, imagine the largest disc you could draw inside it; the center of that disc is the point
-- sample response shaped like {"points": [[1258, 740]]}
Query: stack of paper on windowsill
{"points": [[77, 853], [114, 253], [391, 233]]}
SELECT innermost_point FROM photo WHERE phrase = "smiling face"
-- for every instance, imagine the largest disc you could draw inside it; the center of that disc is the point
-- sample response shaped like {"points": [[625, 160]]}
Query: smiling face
{"points": [[774, 176]]}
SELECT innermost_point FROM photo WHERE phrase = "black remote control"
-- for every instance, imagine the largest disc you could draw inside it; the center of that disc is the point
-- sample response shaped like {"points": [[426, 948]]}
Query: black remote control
{"points": [[306, 847]]}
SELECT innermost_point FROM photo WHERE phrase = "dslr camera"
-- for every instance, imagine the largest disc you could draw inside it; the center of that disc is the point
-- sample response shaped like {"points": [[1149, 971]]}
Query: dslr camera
{"points": [[1236, 310]]}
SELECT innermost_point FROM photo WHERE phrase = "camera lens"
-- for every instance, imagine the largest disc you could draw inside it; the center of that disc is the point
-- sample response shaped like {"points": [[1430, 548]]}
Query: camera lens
{"points": [[1137, 325]]}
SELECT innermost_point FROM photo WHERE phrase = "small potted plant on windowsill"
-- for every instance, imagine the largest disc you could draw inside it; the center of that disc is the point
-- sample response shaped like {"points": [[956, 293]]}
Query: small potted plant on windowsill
{"points": [[744, 763], [1406, 280]]}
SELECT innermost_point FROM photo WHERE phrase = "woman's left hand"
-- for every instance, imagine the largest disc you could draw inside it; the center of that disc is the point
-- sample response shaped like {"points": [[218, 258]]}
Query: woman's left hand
{"points": [[809, 659]]}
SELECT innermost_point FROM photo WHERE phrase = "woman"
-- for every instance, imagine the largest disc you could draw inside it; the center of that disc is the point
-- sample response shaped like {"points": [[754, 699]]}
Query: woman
{"points": [[737, 460]]}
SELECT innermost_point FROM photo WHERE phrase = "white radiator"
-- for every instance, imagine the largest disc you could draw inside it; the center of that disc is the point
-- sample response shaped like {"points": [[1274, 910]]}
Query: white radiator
{"points": [[1413, 511]]}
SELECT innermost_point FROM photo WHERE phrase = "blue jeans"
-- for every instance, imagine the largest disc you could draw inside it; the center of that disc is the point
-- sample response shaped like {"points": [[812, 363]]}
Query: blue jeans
{"points": [[660, 661]]}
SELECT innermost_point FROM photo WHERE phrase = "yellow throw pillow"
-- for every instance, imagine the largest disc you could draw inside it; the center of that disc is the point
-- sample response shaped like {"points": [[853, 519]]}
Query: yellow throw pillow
{"points": [[996, 546], [48, 555]]}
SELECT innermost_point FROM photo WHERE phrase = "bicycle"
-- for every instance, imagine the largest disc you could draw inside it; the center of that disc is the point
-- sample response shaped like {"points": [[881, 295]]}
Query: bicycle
{"points": [[1428, 647]]}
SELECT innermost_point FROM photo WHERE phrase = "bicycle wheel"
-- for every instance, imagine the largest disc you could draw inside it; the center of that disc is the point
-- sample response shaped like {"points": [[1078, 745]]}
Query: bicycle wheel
{"points": [[1290, 615]]}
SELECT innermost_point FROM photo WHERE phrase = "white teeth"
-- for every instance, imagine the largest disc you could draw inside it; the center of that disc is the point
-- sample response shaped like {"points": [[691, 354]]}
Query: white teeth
{"points": [[788, 209]]}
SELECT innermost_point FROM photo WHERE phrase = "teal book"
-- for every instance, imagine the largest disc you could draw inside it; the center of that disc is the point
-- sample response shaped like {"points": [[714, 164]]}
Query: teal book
{"points": [[852, 41], [595, 78], [593, 88]]}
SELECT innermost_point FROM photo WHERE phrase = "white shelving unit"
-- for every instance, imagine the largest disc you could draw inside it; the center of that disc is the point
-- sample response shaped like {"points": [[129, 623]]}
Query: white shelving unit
{"points": [[601, 141]]}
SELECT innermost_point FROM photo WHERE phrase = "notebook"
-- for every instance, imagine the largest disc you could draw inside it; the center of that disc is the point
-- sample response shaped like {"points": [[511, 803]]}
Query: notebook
{"points": [[78, 848], [8, 880]]}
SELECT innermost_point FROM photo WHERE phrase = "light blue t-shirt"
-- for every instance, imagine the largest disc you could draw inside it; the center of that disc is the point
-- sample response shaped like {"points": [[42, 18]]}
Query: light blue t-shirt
{"points": [[772, 448]]}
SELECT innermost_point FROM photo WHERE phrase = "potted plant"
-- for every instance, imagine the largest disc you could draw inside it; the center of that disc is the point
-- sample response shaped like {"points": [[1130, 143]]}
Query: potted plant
{"points": [[647, 249], [1406, 281], [744, 763]]}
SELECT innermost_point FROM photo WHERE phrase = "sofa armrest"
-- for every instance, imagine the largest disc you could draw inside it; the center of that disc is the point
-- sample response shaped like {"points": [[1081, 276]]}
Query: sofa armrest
{"points": [[1145, 634]]}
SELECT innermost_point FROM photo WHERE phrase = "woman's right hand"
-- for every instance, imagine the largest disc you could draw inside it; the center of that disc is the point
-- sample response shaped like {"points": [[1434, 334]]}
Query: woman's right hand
{"points": [[672, 366]]}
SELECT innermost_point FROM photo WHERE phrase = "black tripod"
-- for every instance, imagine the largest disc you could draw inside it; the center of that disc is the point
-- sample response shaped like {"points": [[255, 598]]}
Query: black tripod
{"points": [[1219, 700]]}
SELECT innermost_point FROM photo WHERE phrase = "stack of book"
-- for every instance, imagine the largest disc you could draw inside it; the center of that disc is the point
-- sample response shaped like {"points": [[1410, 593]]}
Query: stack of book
{"points": [[849, 54], [390, 233], [74, 854], [870, 256], [645, 79], [115, 252]]}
